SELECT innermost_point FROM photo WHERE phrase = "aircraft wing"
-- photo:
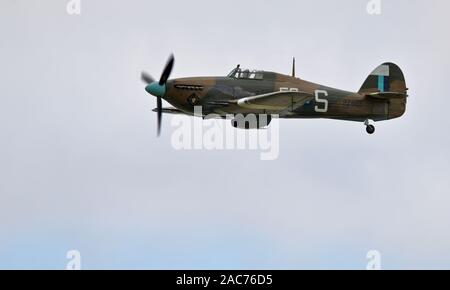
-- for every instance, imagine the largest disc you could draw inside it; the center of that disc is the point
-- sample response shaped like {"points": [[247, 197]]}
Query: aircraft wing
{"points": [[171, 111], [276, 102]]}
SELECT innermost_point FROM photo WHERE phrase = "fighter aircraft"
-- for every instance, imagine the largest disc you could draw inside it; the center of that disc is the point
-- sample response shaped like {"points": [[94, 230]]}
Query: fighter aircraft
{"points": [[243, 92]]}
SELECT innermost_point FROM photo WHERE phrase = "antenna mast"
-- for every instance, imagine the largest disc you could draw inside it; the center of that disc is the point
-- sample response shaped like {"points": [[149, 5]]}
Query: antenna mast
{"points": [[293, 67]]}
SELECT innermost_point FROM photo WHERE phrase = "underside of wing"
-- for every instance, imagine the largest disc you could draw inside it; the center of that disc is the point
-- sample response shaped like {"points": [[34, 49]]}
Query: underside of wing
{"points": [[171, 111], [276, 102]]}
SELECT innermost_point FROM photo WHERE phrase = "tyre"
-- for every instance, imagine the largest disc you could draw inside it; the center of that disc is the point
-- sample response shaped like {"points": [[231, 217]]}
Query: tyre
{"points": [[370, 129]]}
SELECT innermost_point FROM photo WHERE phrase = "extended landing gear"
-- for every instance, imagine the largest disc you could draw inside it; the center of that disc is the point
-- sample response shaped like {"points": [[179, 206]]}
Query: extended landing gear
{"points": [[370, 129]]}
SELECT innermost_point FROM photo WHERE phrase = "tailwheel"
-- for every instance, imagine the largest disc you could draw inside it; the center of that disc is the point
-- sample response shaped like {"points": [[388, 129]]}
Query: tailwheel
{"points": [[370, 129]]}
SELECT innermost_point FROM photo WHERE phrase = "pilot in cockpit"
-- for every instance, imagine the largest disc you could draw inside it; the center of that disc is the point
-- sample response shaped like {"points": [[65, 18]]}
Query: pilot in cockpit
{"points": [[245, 74]]}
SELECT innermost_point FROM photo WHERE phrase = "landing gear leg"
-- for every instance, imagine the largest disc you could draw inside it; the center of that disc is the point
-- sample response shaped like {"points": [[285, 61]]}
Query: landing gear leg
{"points": [[370, 129]]}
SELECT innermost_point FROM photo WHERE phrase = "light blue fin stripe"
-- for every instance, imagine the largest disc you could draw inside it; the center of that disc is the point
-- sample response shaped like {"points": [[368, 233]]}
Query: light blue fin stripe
{"points": [[381, 83]]}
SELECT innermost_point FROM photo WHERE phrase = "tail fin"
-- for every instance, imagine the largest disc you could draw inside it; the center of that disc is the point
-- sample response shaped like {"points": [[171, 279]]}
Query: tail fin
{"points": [[388, 77]]}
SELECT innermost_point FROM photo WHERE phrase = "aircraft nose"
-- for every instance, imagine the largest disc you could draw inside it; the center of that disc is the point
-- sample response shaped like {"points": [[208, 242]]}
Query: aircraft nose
{"points": [[156, 89]]}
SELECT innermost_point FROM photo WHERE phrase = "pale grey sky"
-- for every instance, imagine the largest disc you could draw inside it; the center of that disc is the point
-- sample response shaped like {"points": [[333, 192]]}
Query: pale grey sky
{"points": [[81, 168]]}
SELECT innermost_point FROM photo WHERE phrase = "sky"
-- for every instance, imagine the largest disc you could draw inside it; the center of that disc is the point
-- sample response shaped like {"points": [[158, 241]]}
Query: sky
{"points": [[81, 168]]}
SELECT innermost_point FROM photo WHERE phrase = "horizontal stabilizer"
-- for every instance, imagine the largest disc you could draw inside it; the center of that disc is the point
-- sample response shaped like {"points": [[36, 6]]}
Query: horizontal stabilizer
{"points": [[387, 95]]}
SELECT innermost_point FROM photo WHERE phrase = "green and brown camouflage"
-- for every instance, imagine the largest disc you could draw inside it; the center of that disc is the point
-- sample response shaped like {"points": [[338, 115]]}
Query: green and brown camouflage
{"points": [[382, 96]]}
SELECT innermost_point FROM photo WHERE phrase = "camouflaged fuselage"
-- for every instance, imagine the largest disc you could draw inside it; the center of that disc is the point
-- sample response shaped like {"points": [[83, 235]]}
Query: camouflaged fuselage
{"points": [[219, 95]]}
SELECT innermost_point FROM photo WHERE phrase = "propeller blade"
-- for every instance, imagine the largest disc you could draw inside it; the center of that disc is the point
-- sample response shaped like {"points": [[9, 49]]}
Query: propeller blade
{"points": [[159, 112], [156, 91], [167, 70], [146, 78]]}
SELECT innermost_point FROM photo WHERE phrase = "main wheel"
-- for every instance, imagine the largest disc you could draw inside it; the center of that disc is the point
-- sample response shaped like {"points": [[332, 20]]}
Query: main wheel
{"points": [[370, 129]]}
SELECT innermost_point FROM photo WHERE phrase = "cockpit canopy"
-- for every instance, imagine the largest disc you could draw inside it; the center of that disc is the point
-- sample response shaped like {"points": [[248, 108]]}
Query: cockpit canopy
{"points": [[239, 73]]}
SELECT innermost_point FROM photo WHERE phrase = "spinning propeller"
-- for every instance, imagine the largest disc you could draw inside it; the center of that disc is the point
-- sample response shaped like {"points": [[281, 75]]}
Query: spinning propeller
{"points": [[158, 88]]}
